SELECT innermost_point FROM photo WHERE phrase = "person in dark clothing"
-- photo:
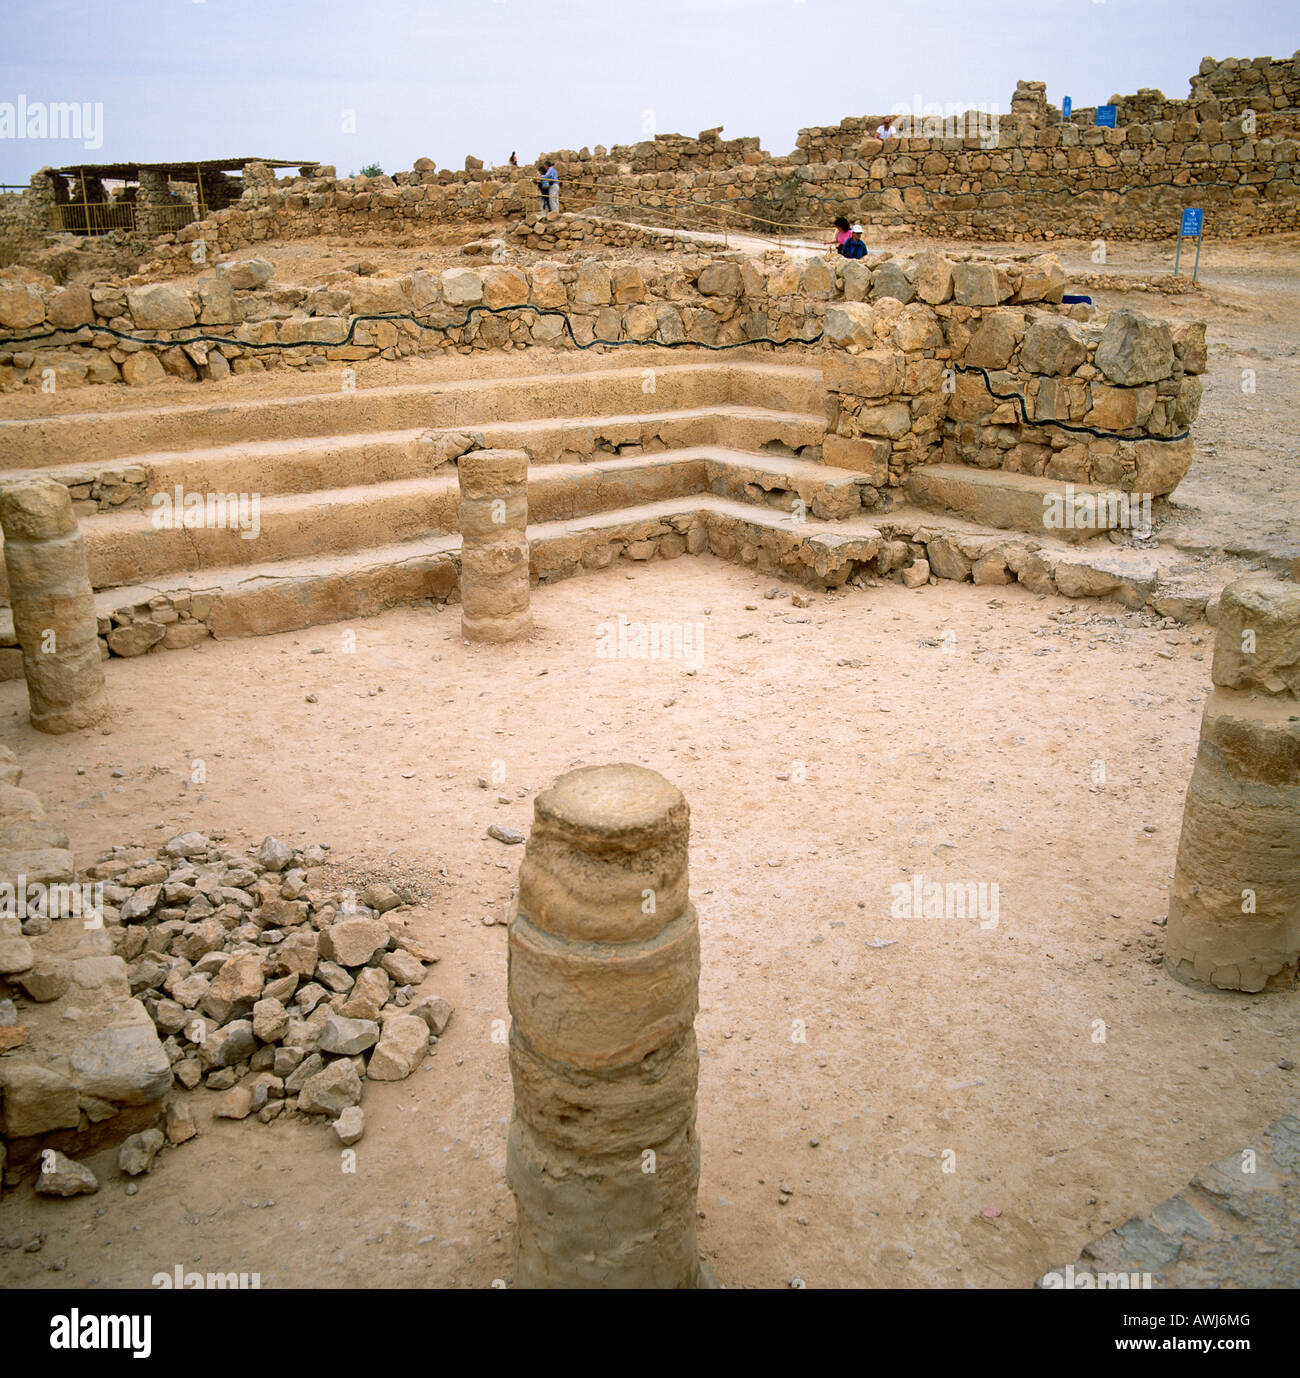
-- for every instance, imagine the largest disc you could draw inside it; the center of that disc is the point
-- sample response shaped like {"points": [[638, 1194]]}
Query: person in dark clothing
{"points": [[853, 247]]}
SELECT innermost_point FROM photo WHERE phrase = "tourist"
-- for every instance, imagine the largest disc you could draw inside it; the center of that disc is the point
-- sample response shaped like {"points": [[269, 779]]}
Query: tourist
{"points": [[549, 186], [514, 162], [853, 247], [841, 232]]}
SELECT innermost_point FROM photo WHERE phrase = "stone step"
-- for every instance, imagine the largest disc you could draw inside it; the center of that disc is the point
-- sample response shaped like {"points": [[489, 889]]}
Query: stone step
{"points": [[127, 548], [600, 390], [318, 463], [181, 608], [286, 595], [1043, 507]]}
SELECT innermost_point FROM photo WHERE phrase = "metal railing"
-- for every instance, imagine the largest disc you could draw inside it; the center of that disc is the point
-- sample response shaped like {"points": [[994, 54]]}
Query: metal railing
{"points": [[93, 217]]}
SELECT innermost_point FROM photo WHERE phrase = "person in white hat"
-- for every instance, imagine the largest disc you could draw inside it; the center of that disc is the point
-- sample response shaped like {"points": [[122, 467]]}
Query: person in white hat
{"points": [[853, 247]]}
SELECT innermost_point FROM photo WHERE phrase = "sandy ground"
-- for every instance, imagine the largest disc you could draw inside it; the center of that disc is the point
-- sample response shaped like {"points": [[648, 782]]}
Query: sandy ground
{"points": [[826, 753]]}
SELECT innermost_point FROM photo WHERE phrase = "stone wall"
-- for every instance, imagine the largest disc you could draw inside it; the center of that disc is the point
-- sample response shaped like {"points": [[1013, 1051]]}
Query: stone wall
{"points": [[1230, 147], [975, 363]]}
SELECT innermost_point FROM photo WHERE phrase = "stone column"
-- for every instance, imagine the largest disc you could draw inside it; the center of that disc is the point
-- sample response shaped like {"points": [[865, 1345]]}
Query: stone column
{"points": [[604, 979], [151, 203], [1234, 909], [493, 520], [40, 199], [53, 606]]}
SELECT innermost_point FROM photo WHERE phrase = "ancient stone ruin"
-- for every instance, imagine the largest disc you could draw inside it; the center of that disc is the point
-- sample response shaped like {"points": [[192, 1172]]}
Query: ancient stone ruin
{"points": [[1234, 910], [604, 970], [493, 522], [53, 606]]}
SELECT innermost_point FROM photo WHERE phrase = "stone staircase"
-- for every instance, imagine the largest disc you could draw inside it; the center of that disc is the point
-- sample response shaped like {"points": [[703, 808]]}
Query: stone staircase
{"points": [[357, 496]]}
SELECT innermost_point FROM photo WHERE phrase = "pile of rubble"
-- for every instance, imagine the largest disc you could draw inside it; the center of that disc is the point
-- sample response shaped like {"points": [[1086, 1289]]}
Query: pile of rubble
{"points": [[264, 983]]}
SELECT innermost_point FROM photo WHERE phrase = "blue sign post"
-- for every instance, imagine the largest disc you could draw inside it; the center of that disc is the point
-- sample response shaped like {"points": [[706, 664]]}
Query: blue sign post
{"points": [[1106, 116], [1192, 225], [1066, 107]]}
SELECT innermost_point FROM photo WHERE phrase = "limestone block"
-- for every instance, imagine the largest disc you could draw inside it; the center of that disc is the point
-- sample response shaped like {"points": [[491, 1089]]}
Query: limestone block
{"points": [[995, 339], [21, 306], [53, 606], [493, 521], [1135, 349], [876, 373], [934, 281], [1234, 908], [460, 287], [246, 274], [604, 970], [1257, 641], [850, 323], [980, 284], [160, 306], [1052, 345]]}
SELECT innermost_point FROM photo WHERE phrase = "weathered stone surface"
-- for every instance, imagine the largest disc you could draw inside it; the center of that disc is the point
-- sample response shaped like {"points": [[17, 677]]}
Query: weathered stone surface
{"points": [[353, 942], [125, 1064], [405, 969], [246, 274], [600, 993], [980, 284], [849, 323], [1257, 642], [180, 1123], [137, 1152], [330, 1091], [343, 1035], [1235, 897], [61, 1176], [1052, 346], [400, 1050], [53, 606], [37, 1099], [933, 278], [1135, 349], [350, 1125], [236, 987], [21, 306], [228, 1045], [493, 522], [435, 1011], [274, 854], [160, 306], [270, 1020]]}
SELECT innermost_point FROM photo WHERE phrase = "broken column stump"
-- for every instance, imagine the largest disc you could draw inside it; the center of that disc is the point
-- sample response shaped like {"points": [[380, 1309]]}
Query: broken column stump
{"points": [[53, 606], [1234, 908], [493, 520], [604, 981]]}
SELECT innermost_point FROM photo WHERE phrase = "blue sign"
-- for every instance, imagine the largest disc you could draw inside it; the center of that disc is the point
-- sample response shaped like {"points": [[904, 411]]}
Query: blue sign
{"points": [[1193, 220], [1065, 108], [1106, 116]]}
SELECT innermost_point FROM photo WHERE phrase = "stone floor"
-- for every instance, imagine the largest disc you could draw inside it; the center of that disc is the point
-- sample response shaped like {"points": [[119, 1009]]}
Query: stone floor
{"points": [[1234, 1225]]}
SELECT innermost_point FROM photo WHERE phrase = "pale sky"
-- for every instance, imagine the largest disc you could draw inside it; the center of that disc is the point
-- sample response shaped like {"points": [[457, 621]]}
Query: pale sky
{"points": [[184, 79]]}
